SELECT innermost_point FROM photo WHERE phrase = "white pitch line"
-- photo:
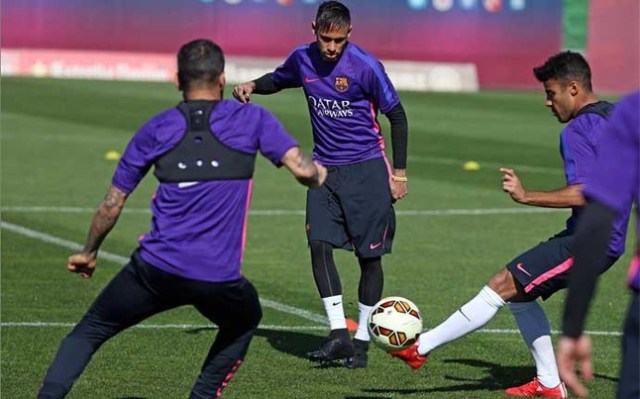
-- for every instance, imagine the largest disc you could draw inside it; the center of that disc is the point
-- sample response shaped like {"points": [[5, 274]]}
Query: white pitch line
{"points": [[554, 332], [44, 324], [121, 260], [268, 303], [292, 212]]}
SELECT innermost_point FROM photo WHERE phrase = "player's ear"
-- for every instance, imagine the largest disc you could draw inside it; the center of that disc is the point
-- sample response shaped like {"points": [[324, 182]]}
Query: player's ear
{"points": [[574, 88], [349, 33], [313, 27], [176, 81], [222, 80]]}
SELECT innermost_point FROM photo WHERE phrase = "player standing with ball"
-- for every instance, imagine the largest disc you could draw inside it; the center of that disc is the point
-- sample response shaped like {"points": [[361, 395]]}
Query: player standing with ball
{"points": [[345, 87]]}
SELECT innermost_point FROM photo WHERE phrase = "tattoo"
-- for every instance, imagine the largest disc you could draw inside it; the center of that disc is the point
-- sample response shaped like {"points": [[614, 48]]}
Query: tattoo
{"points": [[105, 218]]}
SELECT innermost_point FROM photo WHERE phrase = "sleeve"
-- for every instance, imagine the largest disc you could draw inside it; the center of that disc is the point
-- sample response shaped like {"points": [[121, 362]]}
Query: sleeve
{"points": [[590, 249], [136, 160], [399, 136], [273, 139], [578, 153], [617, 156], [264, 85], [380, 88], [287, 75]]}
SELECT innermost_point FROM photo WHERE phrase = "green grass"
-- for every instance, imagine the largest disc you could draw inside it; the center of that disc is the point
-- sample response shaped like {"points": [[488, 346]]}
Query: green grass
{"points": [[54, 137]]}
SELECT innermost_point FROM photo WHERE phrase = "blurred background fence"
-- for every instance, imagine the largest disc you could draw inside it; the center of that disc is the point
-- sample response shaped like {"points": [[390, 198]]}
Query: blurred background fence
{"points": [[446, 45]]}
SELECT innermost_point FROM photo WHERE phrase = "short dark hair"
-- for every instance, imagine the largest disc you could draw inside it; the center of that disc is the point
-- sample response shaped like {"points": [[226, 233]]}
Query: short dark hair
{"points": [[332, 15], [200, 61], [565, 66]]}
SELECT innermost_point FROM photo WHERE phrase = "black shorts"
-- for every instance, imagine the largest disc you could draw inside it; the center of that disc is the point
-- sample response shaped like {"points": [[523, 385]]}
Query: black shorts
{"points": [[141, 290], [353, 210], [544, 269]]}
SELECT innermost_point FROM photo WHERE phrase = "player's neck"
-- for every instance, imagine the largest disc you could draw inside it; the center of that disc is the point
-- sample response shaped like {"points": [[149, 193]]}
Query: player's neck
{"points": [[202, 95], [589, 99], [586, 100]]}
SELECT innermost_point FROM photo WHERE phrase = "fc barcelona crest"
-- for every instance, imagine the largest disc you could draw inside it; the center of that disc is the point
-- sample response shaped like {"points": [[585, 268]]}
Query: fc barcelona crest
{"points": [[342, 84]]}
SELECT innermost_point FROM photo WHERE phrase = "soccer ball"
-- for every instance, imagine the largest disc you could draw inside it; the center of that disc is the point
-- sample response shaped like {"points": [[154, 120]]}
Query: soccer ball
{"points": [[394, 323]]}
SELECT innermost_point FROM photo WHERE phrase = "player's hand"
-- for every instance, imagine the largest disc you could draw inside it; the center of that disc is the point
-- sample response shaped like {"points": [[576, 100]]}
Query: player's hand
{"points": [[572, 351], [83, 264], [398, 190], [242, 92], [512, 185], [322, 173]]}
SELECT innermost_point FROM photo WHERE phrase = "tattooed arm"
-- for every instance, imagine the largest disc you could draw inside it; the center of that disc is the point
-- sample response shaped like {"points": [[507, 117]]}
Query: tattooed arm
{"points": [[308, 172], [103, 221]]}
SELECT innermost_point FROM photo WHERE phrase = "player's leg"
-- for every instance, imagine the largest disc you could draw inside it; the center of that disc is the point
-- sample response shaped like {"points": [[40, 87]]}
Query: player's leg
{"points": [[325, 274], [369, 292], [474, 314], [366, 199], [325, 231], [540, 272], [338, 344], [536, 332], [509, 284], [235, 309], [124, 302], [628, 387]]}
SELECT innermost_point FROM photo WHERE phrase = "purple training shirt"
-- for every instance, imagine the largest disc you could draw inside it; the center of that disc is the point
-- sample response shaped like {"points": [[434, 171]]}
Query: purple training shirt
{"points": [[615, 181], [343, 99], [198, 229], [579, 147]]}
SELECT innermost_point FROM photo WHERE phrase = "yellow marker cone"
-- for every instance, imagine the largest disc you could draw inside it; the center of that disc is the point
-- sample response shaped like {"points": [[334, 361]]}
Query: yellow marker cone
{"points": [[471, 166], [112, 156]]}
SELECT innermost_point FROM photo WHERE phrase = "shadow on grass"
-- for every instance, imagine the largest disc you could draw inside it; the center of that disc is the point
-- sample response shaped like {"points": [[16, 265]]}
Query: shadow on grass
{"points": [[298, 344], [498, 378], [367, 397], [294, 343], [515, 374]]}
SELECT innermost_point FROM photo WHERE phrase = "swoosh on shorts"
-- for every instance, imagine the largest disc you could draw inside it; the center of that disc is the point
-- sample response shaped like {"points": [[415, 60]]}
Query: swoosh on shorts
{"points": [[519, 267]]}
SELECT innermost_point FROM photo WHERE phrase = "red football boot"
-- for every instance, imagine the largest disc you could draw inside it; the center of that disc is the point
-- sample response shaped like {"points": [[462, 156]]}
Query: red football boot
{"points": [[534, 388]]}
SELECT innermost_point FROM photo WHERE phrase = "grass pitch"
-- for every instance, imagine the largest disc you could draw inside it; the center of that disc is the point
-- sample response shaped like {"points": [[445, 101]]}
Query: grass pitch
{"points": [[455, 229]]}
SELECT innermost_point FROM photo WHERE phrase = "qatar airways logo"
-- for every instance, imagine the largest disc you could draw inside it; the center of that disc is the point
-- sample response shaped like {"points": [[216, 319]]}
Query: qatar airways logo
{"points": [[330, 108]]}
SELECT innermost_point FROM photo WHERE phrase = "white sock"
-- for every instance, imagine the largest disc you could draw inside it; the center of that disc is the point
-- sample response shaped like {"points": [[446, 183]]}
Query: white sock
{"points": [[471, 316], [335, 311], [362, 333], [536, 332]]}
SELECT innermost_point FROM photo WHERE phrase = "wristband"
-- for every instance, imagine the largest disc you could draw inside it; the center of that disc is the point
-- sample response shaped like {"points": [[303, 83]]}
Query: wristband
{"points": [[399, 178]]}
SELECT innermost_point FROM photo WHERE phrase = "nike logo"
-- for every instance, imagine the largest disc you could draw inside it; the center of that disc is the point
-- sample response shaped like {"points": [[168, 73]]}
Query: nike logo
{"points": [[374, 246], [187, 184], [310, 80], [519, 267], [336, 303]]}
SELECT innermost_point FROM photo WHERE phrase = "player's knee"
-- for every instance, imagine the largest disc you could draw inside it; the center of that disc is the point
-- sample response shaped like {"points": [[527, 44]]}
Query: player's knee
{"points": [[503, 284]]}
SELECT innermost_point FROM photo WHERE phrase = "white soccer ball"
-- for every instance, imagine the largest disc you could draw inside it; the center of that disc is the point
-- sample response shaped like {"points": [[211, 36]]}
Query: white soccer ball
{"points": [[394, 323]]}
